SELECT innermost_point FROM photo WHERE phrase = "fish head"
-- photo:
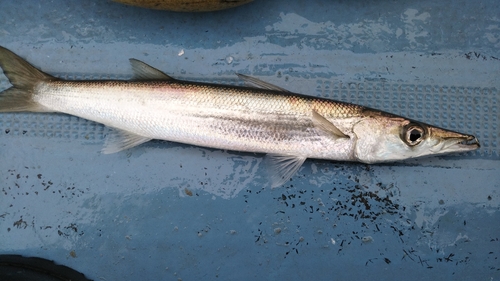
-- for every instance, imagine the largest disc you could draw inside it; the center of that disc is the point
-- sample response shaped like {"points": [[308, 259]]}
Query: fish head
{"points": [[383, 137]]}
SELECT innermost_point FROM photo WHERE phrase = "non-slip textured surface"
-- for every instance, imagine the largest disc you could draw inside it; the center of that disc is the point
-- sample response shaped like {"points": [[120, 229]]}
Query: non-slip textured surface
{"points": [[472, 110]]}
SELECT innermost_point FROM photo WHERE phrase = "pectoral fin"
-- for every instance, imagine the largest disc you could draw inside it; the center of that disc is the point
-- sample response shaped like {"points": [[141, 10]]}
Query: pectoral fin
{"points": [[118, 140], [143, 71], [327, 126], [282, 167], [260, 84]]}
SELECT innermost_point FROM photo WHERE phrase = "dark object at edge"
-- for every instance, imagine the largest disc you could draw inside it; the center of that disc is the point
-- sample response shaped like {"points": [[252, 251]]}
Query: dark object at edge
{"points": [[19, 268]]}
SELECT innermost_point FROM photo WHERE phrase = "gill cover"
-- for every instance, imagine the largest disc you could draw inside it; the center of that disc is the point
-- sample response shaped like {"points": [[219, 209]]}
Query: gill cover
{"points": [[379, 140]]}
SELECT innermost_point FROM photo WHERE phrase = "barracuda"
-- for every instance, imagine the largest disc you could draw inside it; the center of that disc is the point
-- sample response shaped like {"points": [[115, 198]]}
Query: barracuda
{"points": [[287, 127]]}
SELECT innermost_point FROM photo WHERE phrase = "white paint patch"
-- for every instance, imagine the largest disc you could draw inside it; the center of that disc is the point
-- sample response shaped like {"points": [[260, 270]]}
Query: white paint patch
{"points": [[306, 32], [415, 25], [493, 34], [399, 32], [426, 216], [367, 239]]}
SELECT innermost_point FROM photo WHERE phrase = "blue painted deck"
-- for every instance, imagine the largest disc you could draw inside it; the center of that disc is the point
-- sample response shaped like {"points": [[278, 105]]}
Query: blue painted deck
{"points": [[168, 211]]}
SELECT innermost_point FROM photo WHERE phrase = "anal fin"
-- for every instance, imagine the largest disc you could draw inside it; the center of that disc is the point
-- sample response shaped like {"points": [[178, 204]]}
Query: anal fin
{"points": [[118, 140], [282, 167]]}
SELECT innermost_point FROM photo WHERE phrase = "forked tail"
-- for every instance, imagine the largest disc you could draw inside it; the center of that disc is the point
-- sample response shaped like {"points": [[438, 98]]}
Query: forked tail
{"points": [[23, 77]]}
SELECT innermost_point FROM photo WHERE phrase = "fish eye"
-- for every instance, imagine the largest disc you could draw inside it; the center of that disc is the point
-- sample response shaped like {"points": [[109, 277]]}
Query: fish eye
{"points": [[414, 135]]}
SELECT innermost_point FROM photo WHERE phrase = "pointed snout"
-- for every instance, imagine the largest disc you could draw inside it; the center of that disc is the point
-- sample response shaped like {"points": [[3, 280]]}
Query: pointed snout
{"points": [[455, 141]]}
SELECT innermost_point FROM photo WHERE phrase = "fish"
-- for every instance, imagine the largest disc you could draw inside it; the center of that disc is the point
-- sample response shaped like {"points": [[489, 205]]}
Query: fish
{"points": [[260, 117]]}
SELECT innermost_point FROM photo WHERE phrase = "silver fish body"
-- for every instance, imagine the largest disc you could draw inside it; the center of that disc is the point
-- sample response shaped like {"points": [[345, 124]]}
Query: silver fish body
{"points": [[233, 118], [267, 119]]}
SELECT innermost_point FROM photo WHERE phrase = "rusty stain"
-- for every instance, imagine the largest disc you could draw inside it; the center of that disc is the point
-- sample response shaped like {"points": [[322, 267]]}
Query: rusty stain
{"points": [[188, 192]]}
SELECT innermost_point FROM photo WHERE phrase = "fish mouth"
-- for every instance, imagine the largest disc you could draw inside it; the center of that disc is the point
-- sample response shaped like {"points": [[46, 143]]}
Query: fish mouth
{"points": [[457, 144], [466, 143], [471, 142], [453, 141]]}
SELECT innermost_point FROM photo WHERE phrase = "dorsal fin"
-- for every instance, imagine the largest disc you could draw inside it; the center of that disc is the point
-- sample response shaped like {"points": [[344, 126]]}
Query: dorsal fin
{"points": [[259, 83], [144, 71]]}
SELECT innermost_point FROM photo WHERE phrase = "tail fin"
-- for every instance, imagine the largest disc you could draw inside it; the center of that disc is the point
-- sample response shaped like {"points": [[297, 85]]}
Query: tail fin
{"points": [[23, 77]]}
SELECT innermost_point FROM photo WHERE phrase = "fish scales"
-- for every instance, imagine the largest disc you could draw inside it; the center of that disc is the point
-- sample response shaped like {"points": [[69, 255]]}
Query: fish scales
{"points": [[233, 118]]}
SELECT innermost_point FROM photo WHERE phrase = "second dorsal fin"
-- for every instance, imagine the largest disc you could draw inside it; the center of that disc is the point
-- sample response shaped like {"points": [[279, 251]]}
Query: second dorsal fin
{"points": [[259, 83]]}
